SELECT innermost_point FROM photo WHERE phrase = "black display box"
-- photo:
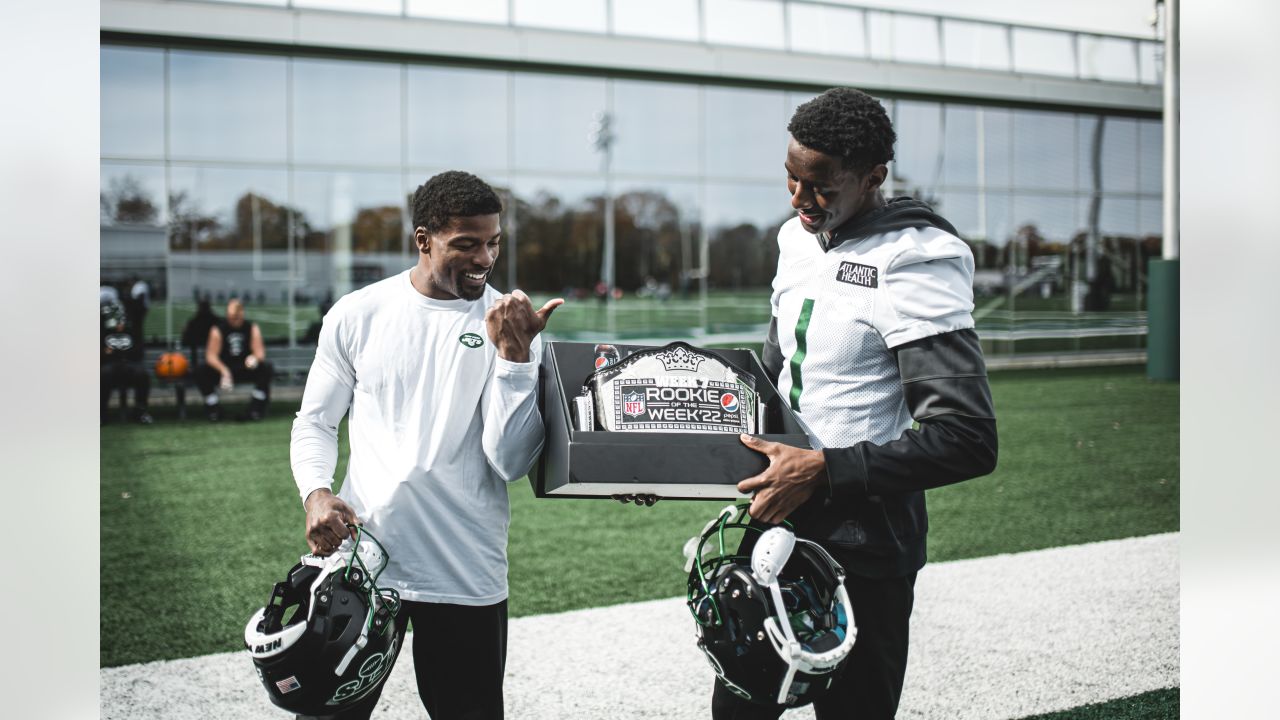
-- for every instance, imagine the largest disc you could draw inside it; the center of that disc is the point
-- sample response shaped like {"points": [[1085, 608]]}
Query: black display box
{"points": [[583, 464]]}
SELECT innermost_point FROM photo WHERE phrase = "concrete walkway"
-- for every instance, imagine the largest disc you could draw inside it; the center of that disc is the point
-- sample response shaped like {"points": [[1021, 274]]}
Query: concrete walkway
{"points": [[992, 638]]}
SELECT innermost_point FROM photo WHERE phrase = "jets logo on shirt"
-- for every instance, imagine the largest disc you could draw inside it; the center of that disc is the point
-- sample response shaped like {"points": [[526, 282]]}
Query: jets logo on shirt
{"points": [[855, 274], [119, 341], [471, 340]]}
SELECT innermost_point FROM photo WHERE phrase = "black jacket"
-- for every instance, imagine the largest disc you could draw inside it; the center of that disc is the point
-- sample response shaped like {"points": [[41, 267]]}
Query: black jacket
{"points": [[871, 513]]}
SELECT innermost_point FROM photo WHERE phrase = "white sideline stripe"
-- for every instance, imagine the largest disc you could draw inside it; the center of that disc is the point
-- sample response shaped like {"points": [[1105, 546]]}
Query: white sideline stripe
{"points": [[992, 638]]}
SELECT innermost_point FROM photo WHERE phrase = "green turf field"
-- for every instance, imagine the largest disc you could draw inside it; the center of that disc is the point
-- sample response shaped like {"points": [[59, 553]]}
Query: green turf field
{"points": [[198, 516], [1154, 705]]}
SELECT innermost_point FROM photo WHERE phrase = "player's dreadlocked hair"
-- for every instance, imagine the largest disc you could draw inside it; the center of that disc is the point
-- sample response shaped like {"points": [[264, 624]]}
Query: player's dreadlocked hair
{"points": [[848, 124], [452, 194]]}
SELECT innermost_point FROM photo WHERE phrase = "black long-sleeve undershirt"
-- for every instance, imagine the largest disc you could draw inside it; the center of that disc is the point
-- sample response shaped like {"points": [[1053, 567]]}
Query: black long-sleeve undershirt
{"points": [[944, 384]]}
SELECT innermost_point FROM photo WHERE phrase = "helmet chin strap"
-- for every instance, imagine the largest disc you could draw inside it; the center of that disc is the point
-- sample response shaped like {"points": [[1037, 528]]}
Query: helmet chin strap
{"points": [[767, 560]]}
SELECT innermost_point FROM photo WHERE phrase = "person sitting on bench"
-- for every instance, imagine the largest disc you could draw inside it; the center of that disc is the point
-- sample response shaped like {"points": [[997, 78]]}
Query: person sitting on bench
{"points": [[121, 359], [234, 353]]}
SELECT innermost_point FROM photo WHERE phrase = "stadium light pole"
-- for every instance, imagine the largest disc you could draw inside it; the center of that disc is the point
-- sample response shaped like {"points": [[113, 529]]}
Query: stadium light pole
{"points": [[1172, 68], [1162, 273], [601, 138]]}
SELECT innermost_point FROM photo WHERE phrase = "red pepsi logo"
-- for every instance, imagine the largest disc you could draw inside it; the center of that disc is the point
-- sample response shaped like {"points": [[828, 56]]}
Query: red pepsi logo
{"points": [[601, 362], [729, 402]]}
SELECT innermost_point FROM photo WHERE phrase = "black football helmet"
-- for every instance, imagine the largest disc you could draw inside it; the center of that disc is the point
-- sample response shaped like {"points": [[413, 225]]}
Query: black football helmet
{"points": [[776, 626], [113, 315], [327, 638]]}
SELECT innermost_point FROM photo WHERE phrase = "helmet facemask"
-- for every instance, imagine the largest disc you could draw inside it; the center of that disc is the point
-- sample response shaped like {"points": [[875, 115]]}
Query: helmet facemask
{"points": [[776, 625], [326, 638]]}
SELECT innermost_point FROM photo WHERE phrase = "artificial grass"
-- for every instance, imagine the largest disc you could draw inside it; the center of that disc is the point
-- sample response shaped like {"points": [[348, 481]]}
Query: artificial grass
{"points": [[198, 520], [1154, 705]]}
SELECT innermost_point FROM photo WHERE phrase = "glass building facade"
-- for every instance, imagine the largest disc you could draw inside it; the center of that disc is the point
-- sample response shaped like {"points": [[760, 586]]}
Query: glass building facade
{"points": [[284, 179]]}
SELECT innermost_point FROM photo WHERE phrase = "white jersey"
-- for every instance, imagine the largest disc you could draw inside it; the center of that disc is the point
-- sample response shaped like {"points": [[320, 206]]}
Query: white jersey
{"points": [[839, 314], [439, 424]]}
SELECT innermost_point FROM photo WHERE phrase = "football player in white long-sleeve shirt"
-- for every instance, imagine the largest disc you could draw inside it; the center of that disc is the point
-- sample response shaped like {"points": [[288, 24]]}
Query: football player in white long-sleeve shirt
{"points": [[439, 372]]}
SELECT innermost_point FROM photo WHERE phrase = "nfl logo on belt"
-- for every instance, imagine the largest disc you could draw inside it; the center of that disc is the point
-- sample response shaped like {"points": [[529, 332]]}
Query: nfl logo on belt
{"points": [[633, 404], [729, 402]]}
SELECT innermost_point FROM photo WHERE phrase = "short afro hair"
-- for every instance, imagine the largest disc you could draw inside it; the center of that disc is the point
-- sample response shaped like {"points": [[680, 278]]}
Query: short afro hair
{"points": [[848, 124], [452, 194]]}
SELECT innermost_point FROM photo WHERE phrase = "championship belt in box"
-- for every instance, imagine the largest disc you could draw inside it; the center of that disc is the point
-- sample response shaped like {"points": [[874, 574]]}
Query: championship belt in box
{"points": [[676, 388]]}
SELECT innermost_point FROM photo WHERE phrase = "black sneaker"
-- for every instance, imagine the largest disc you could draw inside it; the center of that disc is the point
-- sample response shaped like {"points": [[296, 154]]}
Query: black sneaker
{"points": [[250, 415], [144, 418], [213, 413]]}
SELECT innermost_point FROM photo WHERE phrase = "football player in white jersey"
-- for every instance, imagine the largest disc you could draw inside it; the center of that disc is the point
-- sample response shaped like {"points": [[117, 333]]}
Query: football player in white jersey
{"points": [[872, 343], [439, 372]]}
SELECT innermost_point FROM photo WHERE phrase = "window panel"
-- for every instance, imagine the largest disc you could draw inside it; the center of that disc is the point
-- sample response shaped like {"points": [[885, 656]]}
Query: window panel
{"points": [[656, 225], [746, 134], [581, 15], [560, 226], [371, 205], [656, 127], [827, 30], [1117, 215], [962, 209], [916, 168], [1054, 218], [915, 39], [1087, 127], [999, 218], [1150, 63], [755, 23], [1151, 156], [975, 45], [382, 7], [1120, 155], [228, 209], [355, 222], [1118, 253], [132, 122], [997, 148], [672, 19], [553, 116], [486, 11], [346, 112], [880, 32], [1044, 154], [742, 233], [1043, 51], [132, 194], [229, 238], [1103, 58], [960, 148], [227, 106], [458, 118], [1150, 217]]}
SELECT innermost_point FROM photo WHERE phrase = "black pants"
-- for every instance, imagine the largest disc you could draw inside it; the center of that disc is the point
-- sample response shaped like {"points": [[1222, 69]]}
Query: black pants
{"points": [[459, 658], [871, 682], [118, 375], [207, 378]]}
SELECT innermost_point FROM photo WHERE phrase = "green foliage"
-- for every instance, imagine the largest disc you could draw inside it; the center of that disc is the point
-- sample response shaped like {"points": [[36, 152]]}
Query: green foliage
{"points": [[198, 520]]}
